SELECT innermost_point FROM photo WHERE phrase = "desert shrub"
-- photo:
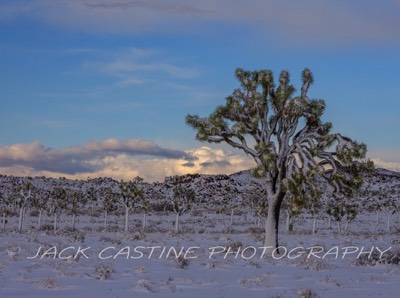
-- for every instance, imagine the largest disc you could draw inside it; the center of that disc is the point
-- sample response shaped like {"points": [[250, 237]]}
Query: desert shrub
{"points": [[255, 281], [103, 271], [181, 262], [315, 264], [113, 241], [73, 234], [230, 230], [196, 212], [48, 283], [144, 285], [391, 258], [307, 293], [139, 235], [234, 246], [161, 207], [34, 213], [157, 229], [187, 230]]}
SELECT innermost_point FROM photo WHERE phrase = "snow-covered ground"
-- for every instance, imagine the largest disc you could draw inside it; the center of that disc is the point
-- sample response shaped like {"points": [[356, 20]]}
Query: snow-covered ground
{"points": [[98, 263]]}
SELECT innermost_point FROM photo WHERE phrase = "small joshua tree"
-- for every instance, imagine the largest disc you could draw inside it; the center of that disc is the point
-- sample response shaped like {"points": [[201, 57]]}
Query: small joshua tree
{"points": [[258, 206], [339, 208], [76, 200], [109, 203], [314, 206], [130, 194], [182, 199], [23, 194], [91, 196], [388, 205], [5, 205], [40, 201], [295, 200], [144, 208], [57, 203]]}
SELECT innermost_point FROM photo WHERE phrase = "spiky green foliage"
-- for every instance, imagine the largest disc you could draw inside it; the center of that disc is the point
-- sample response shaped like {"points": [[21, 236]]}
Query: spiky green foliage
{"points": [[131, 192], [182, 199], [283, 132]]}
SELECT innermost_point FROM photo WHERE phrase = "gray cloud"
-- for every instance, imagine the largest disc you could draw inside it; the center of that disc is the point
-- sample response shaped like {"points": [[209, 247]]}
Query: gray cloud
{"points": [[305, 22], [218, 163], [150, 5], [79, 159], [188, 164]]}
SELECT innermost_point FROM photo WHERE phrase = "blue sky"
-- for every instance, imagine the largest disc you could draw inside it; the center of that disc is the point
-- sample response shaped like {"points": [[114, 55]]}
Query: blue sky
{"points": [[77, 76]]}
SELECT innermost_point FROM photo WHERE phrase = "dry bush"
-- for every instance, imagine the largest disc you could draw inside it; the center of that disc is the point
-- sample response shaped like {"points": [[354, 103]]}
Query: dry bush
{"points": [[103, 271], [181, 262], [49, 283], [307, 293], [390, 258], [113, 241], [144, 285]]}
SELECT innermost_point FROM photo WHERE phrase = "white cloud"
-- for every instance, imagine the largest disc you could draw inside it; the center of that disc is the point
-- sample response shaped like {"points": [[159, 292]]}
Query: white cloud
{"points": [[139, 62], [117, 159], [389, 165], [125, 160], [80, 159]]}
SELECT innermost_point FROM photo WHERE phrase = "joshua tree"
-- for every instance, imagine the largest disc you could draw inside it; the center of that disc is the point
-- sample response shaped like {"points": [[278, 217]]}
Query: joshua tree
{"points": [[294, 201], [182, 200], [91, 196], [339, 207], [388, 205], [109, 203], [57, 203], [285, 136], [23, 194], [76, 199], [314, 206], [5, 205], [258, 206], [130, 194], [144, 208], [40, 201]]}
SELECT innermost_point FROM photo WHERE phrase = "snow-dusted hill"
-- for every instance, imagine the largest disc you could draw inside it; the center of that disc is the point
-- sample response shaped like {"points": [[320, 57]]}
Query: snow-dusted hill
{"points": [[210, 189], [217, 253]]}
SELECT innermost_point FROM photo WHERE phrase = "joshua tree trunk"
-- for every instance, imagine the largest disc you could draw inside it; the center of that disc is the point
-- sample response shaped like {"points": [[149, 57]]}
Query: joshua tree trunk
{"points": [[377, 217], [144, 221], [232, 211], [313, 226], [40, 219], [4, 221], [126, 219], [105, 219], [388, 221], [55, 221], [288, 219], [339, 229], [272, 222], [346, 226], [177, 223], [73, 221], [329, 222], [21, 219]]}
